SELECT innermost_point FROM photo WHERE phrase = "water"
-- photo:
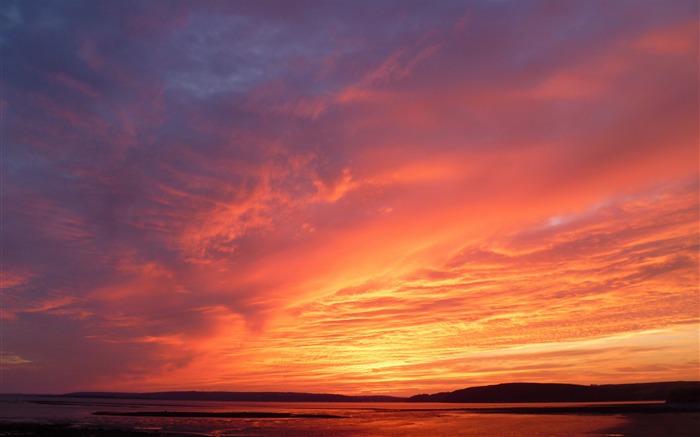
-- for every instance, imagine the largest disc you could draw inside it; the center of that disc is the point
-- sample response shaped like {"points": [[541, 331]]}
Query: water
{"points": [[366, 419]]}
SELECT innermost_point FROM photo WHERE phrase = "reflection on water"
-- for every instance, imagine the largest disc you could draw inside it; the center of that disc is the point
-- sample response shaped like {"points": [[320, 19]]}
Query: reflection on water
{"points": [[367, 419]]}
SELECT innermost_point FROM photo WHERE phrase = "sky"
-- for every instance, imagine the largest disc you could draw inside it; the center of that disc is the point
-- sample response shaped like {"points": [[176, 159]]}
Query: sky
{"points": [[389, 197]]}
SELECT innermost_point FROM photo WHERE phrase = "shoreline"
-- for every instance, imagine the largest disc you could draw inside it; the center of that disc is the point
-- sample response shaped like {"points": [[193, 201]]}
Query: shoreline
{"points": [[217, 415], [643, 420], [71, 430], [535, 410]]}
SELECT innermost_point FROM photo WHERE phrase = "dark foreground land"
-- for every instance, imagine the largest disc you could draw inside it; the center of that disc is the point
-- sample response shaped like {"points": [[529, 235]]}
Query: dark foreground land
{"points": [[61, 430]]}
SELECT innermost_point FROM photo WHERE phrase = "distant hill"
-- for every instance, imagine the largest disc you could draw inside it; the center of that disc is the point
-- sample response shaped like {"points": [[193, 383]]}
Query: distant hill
{"points": [[538, 392], [501, 393], [237, 396]]}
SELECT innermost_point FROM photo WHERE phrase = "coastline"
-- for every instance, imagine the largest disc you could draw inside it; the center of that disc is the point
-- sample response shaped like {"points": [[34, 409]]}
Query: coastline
{"points": [[69, 430], [644, 420]]}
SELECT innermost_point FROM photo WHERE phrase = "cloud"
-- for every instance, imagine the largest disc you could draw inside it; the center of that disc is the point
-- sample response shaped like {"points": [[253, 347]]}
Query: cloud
{"points": [[12, 360], [315, 191]]}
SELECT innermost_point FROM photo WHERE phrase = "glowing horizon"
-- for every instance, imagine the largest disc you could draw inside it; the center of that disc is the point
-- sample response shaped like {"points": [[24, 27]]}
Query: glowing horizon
{"points": [[364, 197]]}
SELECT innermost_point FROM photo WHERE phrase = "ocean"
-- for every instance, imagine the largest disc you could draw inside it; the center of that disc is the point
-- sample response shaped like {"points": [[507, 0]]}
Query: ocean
{"points": [[349, 419]]}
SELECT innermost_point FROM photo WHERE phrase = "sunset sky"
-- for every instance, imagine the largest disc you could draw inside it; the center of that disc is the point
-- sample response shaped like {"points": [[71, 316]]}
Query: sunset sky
{"points": [[390, 197]]}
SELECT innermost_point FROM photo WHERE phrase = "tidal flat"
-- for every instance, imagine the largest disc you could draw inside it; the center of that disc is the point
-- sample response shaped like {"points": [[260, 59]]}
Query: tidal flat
{"points": [[76, 417]]}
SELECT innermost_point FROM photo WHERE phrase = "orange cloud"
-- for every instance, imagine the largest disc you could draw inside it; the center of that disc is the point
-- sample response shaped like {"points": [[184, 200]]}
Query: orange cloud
{"points": [[587, 285], [673, 40]]}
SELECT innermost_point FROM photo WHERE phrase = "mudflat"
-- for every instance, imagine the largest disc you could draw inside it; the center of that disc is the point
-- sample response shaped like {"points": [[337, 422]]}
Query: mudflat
{"points": [[658, 425]]}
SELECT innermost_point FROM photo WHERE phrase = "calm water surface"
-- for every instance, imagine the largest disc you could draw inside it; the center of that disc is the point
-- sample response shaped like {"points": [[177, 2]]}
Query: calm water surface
{"points": [[366, 419]]}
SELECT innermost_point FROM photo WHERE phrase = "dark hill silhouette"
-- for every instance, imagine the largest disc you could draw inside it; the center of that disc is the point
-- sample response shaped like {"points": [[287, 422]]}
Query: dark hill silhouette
{"points": [[501, 393], [684, 395], [538, 392]]}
